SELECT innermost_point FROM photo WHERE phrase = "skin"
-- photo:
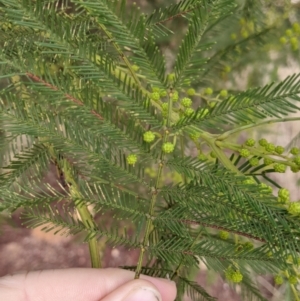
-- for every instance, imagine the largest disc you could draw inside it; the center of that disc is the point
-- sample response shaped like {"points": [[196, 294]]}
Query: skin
{"points": [[84, 284]]}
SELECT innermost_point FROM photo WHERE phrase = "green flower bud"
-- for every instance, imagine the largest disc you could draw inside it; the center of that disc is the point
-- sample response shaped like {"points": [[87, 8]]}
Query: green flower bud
{"points": [[233, 36], [131, 159], [195, 136], [186, 102], [297, 160], [266, 188], [249, 180], [281, 168], [224, 235], [278, 280], [224, 93], [168, 147], [202, 157], [294, 151], [268, 161], [163, 93], [155, 96], [175, 96], [135, 67], [294, 208], [244, 152], [165, 106], [250, 142], [295, 169], [279, 149], [294, 41], [189, 112], [283, 40], [171, 76], [296, 27], [254, 161], [149, 136], [284, 194], [233, 275], [227, 69], [213, 154], [208, 91], [293, 279], [270, 147], [263, 142], [155, 89], [191, 92], [289, 32]]}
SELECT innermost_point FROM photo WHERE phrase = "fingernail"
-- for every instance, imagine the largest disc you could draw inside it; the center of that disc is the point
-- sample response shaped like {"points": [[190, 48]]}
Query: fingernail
{"points": [[143, 294]]}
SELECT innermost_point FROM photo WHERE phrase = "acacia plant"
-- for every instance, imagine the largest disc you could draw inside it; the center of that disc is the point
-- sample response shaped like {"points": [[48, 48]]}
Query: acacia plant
{"points": [[85, 87]]}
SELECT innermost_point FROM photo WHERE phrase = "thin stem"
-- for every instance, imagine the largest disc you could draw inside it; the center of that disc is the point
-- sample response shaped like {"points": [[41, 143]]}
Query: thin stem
{"points": [[256, 152], [88, 221], [182, 155], [149, 224], [252, 125], [220, 154]]}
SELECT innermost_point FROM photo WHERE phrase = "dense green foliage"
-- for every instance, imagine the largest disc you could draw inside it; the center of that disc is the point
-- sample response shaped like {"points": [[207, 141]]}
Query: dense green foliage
{"points": [[86, 87]]}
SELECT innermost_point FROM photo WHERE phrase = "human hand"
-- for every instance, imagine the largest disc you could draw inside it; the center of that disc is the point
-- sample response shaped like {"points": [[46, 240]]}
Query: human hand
{"points": [[83, 284]]}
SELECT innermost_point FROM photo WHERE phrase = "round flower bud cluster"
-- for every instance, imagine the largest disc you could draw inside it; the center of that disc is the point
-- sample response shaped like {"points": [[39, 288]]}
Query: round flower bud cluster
{"points": [[213, 154], [294, 208], [295, 151], [291, 37], [155, 96], [263, 142], [249, 180], [250, 142], [293, 279], [175, 96], [131, 159], [168, 147], [190, 92], [244, 152], [295, 169], [163, 93], [202, 157], [281, 168], [223, 93], [189, 112], [149, 136], [233, 275], [266, 188], [208, 91], [186, 102], [279, 149], [165, 106], [224, 235], [270, 147], [268, 161], [254, 161], [297, 160], [283, 195], [278, 279]]}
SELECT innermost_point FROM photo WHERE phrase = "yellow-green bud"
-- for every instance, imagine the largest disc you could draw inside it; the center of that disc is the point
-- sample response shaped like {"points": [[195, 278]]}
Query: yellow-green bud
{"points": [[208, 91], [224, 235], [131, 159], [224, 93], [191, 92], [168, 147]]}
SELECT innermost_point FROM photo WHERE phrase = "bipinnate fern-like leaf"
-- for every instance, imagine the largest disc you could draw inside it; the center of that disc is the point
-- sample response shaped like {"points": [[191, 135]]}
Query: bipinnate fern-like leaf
{"points": [[83, 82]]}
